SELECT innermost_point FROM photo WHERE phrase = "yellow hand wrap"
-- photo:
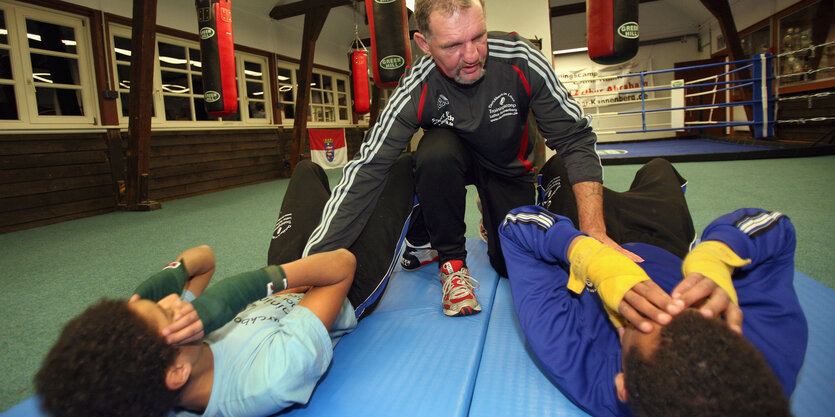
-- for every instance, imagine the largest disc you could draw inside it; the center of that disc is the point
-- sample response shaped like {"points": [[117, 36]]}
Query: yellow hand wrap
{"points": [[611, 273], [716, 261]]}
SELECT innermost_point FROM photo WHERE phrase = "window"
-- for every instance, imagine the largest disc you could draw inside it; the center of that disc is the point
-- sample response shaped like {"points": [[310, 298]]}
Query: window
{"points": [[181, 80], [252, 89], [287, 92], [178, 83], [45, 68], [8, 100], [329, 99], [121, 55]]}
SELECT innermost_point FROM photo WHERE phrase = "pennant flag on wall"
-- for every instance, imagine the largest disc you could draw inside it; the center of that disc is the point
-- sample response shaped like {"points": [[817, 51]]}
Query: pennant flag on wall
{"points": [[327, 147]]}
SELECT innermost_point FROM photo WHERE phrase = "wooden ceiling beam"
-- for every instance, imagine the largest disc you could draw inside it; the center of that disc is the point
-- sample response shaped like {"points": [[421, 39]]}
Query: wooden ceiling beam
{"points": [[302, 7], [721, 10]]}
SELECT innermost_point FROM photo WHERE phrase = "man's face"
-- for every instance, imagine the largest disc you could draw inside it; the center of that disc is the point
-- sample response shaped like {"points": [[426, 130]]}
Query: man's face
{"points": [[458, 43], [159, 314]]}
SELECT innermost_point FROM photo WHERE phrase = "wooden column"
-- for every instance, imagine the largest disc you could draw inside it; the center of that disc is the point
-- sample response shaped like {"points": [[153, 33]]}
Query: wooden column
{"points": [[314, 20], [143, 40], [721, 10]]}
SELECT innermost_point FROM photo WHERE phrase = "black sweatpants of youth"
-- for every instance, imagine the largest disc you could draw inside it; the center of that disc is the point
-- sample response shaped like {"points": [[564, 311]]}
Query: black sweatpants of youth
{"points": [[378, 244], [444, 166], [653, 210]]}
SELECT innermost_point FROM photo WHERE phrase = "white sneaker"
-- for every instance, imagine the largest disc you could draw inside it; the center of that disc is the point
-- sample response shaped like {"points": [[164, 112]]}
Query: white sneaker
{"points": [[459, 297], [416, 257]]}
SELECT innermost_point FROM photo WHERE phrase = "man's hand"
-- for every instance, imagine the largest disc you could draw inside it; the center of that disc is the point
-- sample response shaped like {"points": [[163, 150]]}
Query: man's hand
{"points": [[589, 196], [646, 302], [696, 289], [186, 327], [606, 240]]}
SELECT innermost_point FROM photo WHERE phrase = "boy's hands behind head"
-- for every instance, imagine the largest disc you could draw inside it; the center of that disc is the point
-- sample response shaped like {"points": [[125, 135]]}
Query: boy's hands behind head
{"points": [[712, 301], [186, 327], [645, 303], [708, 282], [622, 285]]}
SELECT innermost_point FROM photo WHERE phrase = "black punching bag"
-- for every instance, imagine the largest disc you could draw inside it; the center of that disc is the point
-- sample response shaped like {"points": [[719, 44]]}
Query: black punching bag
{"points": [[612, 27], [391, 51], [217, 56]]}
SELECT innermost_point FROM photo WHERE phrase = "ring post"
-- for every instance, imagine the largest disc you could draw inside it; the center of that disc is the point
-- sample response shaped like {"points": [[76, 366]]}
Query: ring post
{"points": [[763, 90], [677, 102], [643, 104]]}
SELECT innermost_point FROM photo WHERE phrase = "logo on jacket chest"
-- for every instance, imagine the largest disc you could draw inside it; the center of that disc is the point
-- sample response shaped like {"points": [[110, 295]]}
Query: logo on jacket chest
{"points": [[503, 105], [442, 101], [445, 119]]}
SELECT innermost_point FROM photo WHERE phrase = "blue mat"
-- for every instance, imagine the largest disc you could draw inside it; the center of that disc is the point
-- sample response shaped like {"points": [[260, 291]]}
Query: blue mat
{"points": [[408, 359], [815, 392], [510, 382], [508, 370], [666, 147]]}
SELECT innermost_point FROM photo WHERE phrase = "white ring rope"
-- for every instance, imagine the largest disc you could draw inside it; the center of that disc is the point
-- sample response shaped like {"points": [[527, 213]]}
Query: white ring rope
{"points": [[810, 72], [808, 96], [803, 121], [808, 48]]}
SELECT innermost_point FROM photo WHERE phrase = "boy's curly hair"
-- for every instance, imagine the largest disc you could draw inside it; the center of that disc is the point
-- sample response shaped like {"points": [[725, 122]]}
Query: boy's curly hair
{"points": [[702, 368], [108, 361]]}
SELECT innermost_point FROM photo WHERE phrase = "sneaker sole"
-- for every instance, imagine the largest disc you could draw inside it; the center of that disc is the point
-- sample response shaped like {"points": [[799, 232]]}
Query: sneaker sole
{"points": [[420, 266], [464, 311]]}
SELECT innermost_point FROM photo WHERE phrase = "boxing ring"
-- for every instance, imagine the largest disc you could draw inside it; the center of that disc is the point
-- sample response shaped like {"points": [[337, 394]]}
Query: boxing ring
{"points": [[747, 87]]}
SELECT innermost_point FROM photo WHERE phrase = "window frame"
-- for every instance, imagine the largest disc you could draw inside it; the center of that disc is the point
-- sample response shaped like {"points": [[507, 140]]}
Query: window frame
{"points": [[25, 86], [318, 88], [125, 32], [241, 58], [293, 83], [159, 120]]}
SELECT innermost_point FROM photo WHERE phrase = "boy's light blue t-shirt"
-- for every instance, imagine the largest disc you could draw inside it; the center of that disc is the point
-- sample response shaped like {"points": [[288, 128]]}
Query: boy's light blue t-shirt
{"points": [[270, 356]]}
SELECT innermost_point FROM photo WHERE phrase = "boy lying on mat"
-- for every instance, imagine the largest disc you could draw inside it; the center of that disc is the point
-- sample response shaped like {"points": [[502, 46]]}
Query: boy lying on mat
{"points": [[146, 356], [687, 354]]}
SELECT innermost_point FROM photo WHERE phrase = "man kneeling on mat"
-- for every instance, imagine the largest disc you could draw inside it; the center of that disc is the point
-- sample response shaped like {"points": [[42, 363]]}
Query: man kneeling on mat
{"points": [[148, 355], [687, 353]]}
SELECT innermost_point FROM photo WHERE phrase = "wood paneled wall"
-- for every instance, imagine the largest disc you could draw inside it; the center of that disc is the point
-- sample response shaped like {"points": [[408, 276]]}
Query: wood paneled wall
{"points": [[184, 164], [49, 178]]}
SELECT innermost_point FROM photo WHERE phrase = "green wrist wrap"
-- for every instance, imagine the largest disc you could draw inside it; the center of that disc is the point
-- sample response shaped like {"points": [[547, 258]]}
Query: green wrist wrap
{"points": [[170, 280], [277, 277], [226, 298]]}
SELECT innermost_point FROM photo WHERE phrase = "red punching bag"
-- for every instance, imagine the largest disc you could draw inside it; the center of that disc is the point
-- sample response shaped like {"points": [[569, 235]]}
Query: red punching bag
{"points": [[217, 55], [612, 28], [359, 79], [391, 50]]}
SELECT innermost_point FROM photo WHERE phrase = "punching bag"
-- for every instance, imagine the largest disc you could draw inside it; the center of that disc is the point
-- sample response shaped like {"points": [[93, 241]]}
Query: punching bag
{"points": [[217, 54], [359, 81], [391, 51], [612, 27]]}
